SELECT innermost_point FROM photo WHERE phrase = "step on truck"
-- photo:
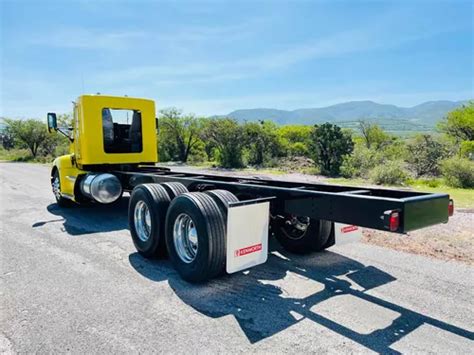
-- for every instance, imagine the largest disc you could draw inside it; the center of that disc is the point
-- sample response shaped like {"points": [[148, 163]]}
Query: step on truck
{"points": [[211, 224]]}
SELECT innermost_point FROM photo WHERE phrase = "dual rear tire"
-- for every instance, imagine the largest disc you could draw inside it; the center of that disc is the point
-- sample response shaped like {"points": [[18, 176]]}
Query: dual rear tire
{"points": [[191, 228], [193, 232]]}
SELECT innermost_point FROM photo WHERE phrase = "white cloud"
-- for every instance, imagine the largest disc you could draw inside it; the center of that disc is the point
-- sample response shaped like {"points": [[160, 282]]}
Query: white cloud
{"points": [[90, 38], [377, 35], [87, 39]]}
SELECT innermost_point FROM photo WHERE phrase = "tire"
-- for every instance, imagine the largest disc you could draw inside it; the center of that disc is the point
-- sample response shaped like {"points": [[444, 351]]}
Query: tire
{"points": [[174, 189], [222, 198], [200, 215], [318, 236], [148, 240], [56, 187]]}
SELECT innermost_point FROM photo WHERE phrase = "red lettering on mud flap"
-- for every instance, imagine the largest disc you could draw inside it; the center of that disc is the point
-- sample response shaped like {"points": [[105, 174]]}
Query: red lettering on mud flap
{"points": [[348, 229], [248, 250]]}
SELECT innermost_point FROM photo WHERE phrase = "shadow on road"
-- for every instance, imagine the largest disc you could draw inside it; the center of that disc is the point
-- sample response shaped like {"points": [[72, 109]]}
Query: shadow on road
{"points": [[263, 299], [86, 219], [278, 294]]}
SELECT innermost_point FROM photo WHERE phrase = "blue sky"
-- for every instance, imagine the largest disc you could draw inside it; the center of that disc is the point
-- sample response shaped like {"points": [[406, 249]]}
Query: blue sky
{"points": [[212, 57]]}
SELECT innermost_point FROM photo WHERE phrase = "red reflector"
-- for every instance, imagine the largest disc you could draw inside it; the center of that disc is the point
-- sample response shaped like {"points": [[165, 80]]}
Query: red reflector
{"points": [[451, 208], [394, 221]]}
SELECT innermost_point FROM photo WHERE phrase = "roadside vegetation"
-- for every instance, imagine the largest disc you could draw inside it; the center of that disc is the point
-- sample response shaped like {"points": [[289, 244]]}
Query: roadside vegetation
{"points": [[29, 140], [367, 153]]}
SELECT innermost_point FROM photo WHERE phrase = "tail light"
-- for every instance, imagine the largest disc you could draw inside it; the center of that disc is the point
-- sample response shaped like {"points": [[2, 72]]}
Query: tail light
{"points": [[391, 220], [451, 208]]}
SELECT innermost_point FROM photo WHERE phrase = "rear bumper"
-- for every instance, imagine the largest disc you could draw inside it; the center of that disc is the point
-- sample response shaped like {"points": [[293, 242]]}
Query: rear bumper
{"points": [[424, 211]]}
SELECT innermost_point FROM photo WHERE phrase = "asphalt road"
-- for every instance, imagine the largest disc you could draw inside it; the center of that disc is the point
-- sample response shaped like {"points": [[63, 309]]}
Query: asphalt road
{"points": [[71, 281]]}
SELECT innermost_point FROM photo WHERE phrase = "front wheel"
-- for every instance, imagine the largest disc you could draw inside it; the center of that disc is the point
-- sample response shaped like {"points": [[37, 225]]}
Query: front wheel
{"points": [[303, 235], [56, 187]]}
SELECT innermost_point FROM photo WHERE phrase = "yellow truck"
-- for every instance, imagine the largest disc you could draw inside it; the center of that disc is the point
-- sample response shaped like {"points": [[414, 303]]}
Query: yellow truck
{"points": [[211, 224]]}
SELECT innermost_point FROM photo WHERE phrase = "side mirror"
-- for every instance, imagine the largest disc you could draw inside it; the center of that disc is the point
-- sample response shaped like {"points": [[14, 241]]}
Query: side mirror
{"points": [[52, 122]]}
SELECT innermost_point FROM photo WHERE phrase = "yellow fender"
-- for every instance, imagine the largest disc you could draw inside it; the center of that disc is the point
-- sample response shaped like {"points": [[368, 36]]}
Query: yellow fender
{"points": [[68, 173]]}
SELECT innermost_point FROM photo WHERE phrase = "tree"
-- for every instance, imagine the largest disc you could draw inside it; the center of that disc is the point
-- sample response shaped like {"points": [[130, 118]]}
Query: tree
{"points": [[425, 154], [459, 123], [27, 133], [54, 144], [330, 144], [7, 140], [65, 120], [180, 133], [373, 135], [295, 139], [263, 142], [229, 139]]}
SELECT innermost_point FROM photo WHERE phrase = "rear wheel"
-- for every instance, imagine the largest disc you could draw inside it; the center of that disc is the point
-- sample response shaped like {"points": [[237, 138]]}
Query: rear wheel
{"points": [[195, 236], [174, 189], [146, 217], [222, 198], [302, 235]]}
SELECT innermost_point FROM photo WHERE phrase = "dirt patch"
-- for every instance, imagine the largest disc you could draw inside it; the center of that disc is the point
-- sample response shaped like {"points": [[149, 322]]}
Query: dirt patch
{"points": [[451, 241], [292, 164]]}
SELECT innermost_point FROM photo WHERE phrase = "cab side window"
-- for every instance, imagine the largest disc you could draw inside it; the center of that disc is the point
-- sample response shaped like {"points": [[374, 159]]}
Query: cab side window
{"points": [[122, 130]]}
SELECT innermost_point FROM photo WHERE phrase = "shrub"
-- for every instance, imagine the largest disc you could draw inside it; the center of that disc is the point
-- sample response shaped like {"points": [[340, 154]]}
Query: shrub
{"points": [[360, 162], [390, 173], [329, 144], [228, 137], [424, 154], [263, 143], [458, 172], [15, 154], [298, 149], [295, 139], [467, 149]]}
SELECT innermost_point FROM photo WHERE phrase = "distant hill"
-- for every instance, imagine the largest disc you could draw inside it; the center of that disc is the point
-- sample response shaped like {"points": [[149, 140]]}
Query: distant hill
{"points": [[420, 117]]}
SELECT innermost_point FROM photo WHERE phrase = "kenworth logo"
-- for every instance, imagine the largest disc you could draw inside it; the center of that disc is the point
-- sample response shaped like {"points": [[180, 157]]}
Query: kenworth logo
{"points": [[248, 250]]}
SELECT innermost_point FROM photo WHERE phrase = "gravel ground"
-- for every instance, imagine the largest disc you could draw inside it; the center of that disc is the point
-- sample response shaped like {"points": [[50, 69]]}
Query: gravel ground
{"points": [[451, 241]]}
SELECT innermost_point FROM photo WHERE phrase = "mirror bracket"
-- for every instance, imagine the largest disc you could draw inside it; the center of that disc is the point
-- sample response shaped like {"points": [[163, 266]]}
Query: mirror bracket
{"points": [[53, 126]]}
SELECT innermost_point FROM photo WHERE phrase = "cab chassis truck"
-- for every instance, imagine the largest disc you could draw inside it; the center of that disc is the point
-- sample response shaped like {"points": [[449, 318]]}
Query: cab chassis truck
{"points": [[210, 224]]}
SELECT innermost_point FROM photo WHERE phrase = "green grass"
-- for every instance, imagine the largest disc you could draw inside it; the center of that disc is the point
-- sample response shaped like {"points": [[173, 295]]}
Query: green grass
{"points": [[463, 198], [22, 155], [14, 154]]}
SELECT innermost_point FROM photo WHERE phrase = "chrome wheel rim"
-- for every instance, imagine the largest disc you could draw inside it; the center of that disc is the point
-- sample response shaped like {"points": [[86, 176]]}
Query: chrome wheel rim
{"points": [[142, 221], [56, 188], [185, 238]]}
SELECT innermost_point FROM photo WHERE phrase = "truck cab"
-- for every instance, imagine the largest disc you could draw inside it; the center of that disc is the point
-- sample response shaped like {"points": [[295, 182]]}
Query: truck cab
{"points": [[108, 132]]}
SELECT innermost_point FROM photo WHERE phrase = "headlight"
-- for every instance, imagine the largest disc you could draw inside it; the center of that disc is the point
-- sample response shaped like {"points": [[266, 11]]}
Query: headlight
{"points": [[103, 188]]}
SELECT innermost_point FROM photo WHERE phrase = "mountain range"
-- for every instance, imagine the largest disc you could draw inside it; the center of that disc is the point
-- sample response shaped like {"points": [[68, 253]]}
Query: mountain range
{"points": [[422, 117]]}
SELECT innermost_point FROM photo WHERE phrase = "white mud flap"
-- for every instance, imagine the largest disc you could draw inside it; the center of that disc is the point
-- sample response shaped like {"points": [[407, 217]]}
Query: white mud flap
{"points": [[247, 234], [347, 230]]}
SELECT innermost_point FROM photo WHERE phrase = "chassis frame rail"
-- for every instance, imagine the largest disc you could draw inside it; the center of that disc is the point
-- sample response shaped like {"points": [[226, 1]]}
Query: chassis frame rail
{"points": [[351, 205]]}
